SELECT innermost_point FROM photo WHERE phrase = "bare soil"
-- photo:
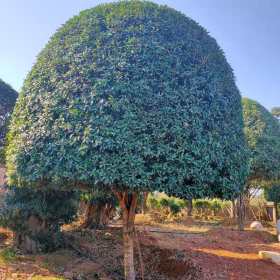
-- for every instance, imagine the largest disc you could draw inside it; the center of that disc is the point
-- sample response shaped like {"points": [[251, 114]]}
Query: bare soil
{"points": [[191, 250], [224, 253]]}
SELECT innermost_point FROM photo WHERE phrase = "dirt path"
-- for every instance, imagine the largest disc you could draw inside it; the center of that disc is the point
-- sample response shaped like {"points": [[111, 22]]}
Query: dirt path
{"points": [[223, 253], [168, 253]]}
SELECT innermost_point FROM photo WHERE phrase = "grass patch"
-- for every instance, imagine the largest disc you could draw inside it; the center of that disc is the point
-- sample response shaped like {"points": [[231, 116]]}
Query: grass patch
{"points": [[7, 255]]}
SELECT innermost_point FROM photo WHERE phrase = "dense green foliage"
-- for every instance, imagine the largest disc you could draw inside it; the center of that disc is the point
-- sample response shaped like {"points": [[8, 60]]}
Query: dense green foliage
{"points": [[132, 95], [50, 208], [272, 194], [262, 132], [8, 98]]}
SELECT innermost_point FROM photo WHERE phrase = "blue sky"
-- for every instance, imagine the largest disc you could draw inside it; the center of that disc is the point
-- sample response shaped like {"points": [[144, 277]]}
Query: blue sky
{"points": [[247, 31]]}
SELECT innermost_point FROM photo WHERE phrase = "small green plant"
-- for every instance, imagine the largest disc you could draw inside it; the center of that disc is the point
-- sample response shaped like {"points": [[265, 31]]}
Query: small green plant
{"points": [[152, 202], [215, 206], [182, 203], [174, 208], [202, 206], [8, 255], [165, 204]]}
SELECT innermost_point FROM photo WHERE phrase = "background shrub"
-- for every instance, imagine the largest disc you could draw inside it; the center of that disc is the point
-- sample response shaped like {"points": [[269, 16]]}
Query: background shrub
{"points": [[36, 216]]}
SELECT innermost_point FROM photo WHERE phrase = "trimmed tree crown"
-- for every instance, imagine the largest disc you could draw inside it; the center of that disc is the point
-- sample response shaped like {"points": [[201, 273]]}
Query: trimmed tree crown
{"points": [[262, 132], [135, 95]]}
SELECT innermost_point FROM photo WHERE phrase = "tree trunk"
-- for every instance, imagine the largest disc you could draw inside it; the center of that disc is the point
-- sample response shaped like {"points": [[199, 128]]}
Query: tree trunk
{"points": [[97, 215], [246, 205], [240, 212], [275, 213], [128, 239], [233, 209], [28, 240], [93, 216], [26, 244], [90, 216], [128, 203], [106, 215], [190, 207], [144, 202]]}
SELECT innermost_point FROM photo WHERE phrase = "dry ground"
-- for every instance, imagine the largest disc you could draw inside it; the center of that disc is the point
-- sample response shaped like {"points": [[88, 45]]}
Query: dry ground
{"points": [[189, 250]]}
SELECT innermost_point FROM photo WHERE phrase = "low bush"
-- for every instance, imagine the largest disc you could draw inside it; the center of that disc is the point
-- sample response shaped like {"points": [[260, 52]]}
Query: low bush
{"points": [[164, 202], [35, 216], [167, 207], [211, 207], [172, 207], [152, 202], [201, 207], [215, 206], [7, 255]]}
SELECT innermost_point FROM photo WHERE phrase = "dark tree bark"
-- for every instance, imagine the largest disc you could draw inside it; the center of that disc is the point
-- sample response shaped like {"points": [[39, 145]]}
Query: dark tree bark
{"points": [[28, 240], [275, 213], [97, 215], [144, 202], [26, 244], [107, 214], [190, 207], [92, 216], [233, 209], [240, 212]]}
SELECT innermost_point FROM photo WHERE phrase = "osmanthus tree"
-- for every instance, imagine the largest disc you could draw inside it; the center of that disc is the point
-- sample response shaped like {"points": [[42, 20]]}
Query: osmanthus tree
{"points": [[130, 97], [262, 132], [8, 98]]}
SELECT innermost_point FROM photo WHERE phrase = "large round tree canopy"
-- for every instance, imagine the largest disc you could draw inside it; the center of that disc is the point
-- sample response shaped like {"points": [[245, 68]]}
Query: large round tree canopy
{"points": [[130, 94], [8, 98], [262, 131]]}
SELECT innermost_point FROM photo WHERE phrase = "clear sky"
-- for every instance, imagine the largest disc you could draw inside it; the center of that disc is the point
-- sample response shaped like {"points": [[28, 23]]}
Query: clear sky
{"points": [[247, 30]]}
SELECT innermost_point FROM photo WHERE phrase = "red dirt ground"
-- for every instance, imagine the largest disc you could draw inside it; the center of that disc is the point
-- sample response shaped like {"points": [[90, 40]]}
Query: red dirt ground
{"points": [[224, 253], [216, 254]]}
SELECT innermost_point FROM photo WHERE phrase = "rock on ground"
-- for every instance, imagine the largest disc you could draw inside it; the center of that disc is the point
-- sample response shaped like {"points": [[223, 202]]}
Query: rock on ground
{"points": [[268, 255], [278, 226], [256, 225]]}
